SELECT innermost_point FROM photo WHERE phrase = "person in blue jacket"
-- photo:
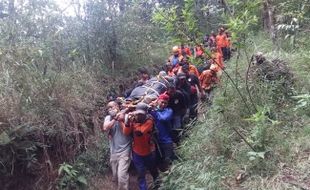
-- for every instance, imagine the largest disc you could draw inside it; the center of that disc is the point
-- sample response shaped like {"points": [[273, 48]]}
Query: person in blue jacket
{"points": [[163, 116]]}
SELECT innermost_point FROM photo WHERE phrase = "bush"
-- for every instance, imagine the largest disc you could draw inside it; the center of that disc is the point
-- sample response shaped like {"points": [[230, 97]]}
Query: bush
{"points": [[45, 120], [218, 150]]}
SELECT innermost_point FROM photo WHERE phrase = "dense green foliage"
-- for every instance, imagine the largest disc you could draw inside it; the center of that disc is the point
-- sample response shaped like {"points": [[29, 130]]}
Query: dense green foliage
{"points": [[213, 155], [254, 136], [56, 70]]}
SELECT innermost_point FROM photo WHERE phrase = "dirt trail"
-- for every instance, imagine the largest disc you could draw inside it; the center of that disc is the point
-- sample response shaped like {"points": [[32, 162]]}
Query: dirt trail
{"points": [[104, 182]]}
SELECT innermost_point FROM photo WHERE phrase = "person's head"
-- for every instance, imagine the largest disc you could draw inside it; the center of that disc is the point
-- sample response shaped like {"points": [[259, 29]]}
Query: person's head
{"points": [[143, 73], [185, 69], [112, 108], [181, 78], [212, 33], [182, 46], [162, 101], [175, 50], [171, 90], [221, 30], [162, 73], [213, 49], [168, 66], [141, 112], [185, 60], [213, 67], [207, 66]]}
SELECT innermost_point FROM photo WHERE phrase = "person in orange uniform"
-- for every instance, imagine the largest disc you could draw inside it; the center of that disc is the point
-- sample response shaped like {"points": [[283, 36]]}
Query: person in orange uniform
{"points": [[208, 77], [184, 51], [140, 126], [221, 43], [218, 72], [205, 79], [217, 58], [192, 68]]}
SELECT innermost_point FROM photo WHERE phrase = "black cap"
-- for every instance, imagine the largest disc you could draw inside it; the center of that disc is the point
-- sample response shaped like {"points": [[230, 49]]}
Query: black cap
{"points": [[181, 75], [141, 108]]}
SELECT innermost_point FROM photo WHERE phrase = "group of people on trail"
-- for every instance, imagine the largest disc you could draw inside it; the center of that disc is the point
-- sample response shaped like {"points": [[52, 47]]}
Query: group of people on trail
{"points": [[221, 41], [145, 125]]}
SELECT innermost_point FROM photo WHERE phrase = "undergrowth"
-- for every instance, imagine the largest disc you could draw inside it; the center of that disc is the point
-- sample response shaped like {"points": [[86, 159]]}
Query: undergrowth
{"points": [[50, 121], [237, 149]]}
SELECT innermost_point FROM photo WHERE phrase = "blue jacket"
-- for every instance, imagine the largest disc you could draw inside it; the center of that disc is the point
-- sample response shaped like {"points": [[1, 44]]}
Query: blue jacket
{"points": [[163, 120]]}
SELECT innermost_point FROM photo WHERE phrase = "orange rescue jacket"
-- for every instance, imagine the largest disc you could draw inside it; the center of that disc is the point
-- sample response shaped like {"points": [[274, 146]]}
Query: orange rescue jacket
{"points": [[142, 145]]}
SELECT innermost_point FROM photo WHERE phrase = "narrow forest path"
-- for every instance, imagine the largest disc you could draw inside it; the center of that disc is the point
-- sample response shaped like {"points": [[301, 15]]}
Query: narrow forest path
{"points": [[104, 182]]}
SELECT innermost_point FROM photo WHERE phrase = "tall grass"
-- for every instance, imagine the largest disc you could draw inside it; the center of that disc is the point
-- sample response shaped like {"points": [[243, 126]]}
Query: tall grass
{"points": [[214, 156], [46, 119], [52, 107]]}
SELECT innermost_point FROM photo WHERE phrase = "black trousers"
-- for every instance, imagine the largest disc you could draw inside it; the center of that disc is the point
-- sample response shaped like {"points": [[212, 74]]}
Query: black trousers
{"points": [[226, 53]]}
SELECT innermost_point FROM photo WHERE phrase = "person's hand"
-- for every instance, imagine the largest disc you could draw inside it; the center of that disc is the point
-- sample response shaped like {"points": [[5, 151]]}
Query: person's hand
{"points": [[203, 95], [120, 117], [131, 116], [153, 103]]}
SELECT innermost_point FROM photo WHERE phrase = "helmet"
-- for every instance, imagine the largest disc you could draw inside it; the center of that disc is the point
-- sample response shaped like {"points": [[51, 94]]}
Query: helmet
{"points": [[175, 49], [213, 67]]}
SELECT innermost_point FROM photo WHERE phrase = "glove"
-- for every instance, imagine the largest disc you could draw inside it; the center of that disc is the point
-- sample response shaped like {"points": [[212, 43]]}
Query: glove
{"points": [[138, 133]]}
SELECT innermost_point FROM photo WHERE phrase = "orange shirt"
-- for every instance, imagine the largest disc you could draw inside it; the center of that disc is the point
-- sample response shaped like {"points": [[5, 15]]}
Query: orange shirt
{"points": [[218, 59], [142, 145], [206, 79], [221, 40], [186, 50], [193, 70]]}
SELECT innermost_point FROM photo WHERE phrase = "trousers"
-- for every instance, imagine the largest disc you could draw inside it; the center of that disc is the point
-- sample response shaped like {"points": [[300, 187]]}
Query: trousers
{"points": [[120, 163], [142, 163]]}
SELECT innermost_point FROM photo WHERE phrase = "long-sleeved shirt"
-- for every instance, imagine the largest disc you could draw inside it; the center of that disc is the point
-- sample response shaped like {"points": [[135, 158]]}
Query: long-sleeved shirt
{"points": [[193, 70], [221, 40], [178, 102], [163, 120], [206, 79], [142, 143], [218, 59]]}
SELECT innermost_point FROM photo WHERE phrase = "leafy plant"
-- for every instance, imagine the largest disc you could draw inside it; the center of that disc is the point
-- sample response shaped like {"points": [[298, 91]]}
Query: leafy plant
{"points": [[70, 177], [260, 135], [303, 102]]}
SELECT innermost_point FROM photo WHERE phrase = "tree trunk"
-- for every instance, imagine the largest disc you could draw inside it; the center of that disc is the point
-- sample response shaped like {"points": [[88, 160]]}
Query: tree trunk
{"points": [[268, 19], [122, 6], [11, 7], [112, 38]]}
